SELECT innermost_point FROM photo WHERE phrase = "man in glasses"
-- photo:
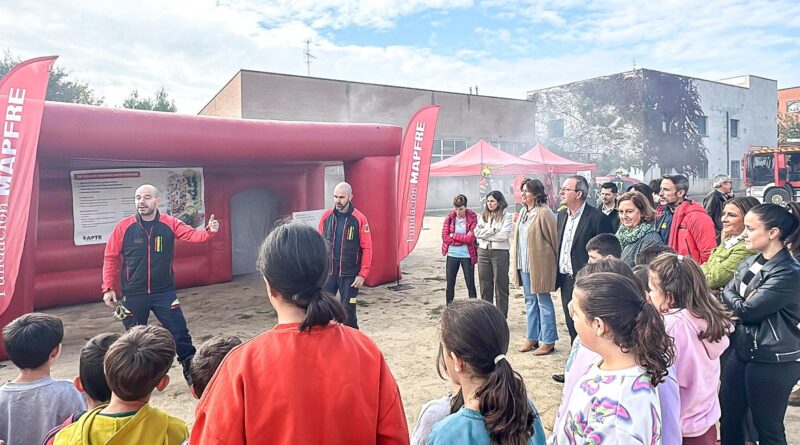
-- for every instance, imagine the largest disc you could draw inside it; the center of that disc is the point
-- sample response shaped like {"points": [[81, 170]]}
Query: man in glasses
{"points": [[577, 224]]}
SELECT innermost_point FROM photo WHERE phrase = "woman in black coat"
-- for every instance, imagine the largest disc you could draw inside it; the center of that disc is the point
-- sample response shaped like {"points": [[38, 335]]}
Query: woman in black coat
{"points": [[764, 298]]}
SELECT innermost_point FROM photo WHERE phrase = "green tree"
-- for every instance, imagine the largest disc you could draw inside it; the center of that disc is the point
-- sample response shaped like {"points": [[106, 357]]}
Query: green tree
{"points": [[600, 117], [160, 102], [60, 88], [672, 113]]}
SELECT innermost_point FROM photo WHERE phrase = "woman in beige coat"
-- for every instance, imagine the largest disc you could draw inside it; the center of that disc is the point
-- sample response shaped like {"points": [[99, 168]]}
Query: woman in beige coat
{"points": [[534, 250]]}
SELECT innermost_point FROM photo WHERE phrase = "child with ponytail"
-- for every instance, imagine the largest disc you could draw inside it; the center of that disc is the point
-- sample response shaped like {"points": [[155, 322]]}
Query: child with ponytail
{"points": [[308, 380], [699, 326], [496, 409], [616, 401], [581, 360]]}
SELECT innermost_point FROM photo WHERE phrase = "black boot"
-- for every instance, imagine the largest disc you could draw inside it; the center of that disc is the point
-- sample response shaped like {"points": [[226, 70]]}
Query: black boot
{"points": [[187, 369]]}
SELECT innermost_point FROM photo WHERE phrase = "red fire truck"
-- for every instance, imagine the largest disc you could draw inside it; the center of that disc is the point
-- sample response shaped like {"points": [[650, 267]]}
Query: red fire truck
{"points": [[772, 174]]}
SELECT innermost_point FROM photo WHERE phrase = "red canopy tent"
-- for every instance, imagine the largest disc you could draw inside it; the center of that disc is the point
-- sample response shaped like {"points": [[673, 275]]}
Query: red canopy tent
{"points": [[554, 163], [626, 181], [474, 159]]}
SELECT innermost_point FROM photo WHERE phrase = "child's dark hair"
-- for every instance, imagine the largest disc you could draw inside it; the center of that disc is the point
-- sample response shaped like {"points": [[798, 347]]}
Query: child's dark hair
{"points": [[640, 272], [457, 399], [536, 187], [90, 367], [649, 253], [207, 359], [136, 362], [685, 287], [477, 332], [605, 244], [612, 265], [502, 205], [30, 339], [636, 326], [294, 261]]}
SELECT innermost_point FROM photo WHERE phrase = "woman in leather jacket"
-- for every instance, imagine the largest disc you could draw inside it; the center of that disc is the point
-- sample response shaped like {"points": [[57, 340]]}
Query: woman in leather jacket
{"points": [[764, 298]]}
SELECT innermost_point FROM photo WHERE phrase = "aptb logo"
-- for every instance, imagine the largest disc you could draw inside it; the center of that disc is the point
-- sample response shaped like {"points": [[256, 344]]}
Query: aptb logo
{"points": [[92, 237]]}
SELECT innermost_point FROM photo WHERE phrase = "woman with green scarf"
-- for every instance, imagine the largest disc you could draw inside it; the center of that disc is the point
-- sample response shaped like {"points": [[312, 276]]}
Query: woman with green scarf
{"points": [[636, 225]]}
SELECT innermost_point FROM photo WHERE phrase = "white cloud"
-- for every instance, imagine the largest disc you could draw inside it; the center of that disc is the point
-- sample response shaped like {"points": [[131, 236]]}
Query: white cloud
{"points": [[339, 14], [432, 39], [193, 48], [493, 36]]}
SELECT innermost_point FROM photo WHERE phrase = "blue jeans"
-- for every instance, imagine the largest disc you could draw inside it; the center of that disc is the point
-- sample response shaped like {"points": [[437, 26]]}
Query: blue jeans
{"points": [[539, 312]]}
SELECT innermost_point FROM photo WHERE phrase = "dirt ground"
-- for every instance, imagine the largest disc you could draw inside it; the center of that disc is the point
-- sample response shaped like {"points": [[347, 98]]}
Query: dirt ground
{"points": [[404, 325]]}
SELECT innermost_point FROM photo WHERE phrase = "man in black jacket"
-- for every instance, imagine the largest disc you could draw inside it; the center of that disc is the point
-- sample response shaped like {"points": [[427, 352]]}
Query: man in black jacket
{"points": [[714, 202], [346, 232], [577, 224], [608, 203], [140, 251]]}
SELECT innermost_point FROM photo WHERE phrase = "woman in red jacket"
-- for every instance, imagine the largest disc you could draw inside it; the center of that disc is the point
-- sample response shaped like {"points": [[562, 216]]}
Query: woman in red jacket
{"points": [[458, 245], [308, 380]]}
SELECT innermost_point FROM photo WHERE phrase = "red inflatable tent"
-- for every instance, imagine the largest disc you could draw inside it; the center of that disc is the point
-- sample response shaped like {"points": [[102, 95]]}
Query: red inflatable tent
{"points": [[287, 158]]}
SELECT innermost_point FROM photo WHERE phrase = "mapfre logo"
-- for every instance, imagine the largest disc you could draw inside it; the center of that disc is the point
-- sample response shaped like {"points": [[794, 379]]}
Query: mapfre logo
{"points": [[92, 237]]}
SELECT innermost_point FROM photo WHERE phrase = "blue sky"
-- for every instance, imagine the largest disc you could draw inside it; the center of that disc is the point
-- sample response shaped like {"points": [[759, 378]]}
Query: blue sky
{"points": [[506, 47]]}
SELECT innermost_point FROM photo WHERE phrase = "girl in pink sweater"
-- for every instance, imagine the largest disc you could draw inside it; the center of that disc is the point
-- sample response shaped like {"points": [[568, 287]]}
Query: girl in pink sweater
{"points": [[699, 326]]}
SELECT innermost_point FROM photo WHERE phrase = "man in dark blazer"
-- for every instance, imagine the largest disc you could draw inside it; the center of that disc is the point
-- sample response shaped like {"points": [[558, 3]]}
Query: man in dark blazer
{"points": [[608, 203], [577, 224]]}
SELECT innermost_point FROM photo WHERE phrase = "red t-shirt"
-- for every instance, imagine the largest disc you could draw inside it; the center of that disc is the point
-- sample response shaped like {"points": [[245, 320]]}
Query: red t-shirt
{"points": [[331, 385]]}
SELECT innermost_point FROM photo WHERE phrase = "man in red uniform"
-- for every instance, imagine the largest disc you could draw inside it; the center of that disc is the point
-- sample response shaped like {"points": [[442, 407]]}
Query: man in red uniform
{"points": [[346, 232], [684, 224], [140, 250]]}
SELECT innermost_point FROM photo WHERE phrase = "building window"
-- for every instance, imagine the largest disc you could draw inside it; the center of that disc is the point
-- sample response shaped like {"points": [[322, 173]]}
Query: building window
{"points": [[702, 125], [555, 128], [702, 170], [734, 128], [736, 170], [793, 107], [444, 148], [448, 148], [436, 151]]}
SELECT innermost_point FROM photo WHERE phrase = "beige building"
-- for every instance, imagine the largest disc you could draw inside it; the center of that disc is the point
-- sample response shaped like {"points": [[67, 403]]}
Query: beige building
{"points": [[464, 118]]}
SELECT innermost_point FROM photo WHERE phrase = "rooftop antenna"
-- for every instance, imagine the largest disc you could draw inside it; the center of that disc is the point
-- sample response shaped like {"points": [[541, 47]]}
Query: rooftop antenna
{"points": [[309, 56], [634, 64]]}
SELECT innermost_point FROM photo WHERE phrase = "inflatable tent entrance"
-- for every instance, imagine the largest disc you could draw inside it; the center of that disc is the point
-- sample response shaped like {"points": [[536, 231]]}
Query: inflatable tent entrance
{"points": [[286, 158]]}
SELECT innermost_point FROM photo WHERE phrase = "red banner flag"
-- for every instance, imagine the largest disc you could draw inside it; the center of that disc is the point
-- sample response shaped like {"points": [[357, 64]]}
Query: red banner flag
{"points": [[22, 93], [412, 187]]}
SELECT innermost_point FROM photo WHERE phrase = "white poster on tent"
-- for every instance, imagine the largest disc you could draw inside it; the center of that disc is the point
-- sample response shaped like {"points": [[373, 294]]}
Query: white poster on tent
{"points": [[309, 217], [101, 198], [586, 174]]}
